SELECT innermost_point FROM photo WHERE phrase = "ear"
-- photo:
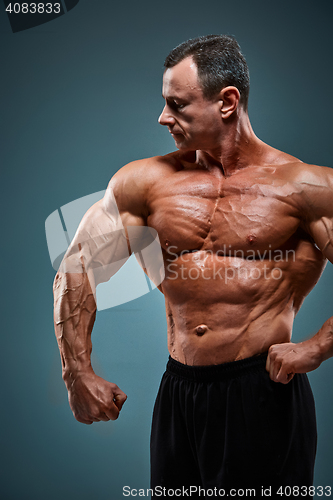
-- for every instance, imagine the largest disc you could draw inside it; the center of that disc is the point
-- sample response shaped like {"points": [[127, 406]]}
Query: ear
{"points": [[229, 97]]}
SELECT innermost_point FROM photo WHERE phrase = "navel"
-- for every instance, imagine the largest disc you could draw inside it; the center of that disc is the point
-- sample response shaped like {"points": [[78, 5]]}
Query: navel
{"points": [[201, 329]]}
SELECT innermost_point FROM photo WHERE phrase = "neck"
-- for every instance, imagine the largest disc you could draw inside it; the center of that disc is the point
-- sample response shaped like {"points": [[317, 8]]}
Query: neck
{"points": [[239, 146]]}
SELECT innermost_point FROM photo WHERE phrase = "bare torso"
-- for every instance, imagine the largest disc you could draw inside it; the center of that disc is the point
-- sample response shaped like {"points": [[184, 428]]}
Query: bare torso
{"points": [[245, 231], [238, 260]]}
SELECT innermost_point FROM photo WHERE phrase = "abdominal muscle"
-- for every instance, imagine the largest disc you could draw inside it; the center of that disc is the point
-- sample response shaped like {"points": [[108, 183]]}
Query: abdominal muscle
{"points": [[221, 309]]}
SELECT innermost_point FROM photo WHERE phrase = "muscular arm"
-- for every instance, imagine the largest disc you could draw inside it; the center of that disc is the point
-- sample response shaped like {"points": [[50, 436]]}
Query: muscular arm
{"points": [[284, 360], [97, 251]]}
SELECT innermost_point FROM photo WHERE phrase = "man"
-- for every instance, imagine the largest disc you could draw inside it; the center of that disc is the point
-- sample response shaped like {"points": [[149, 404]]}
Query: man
{"points": [[245, 232]]}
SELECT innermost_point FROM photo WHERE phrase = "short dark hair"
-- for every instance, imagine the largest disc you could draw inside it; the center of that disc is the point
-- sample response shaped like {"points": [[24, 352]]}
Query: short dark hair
{"points": [[220, 63]]}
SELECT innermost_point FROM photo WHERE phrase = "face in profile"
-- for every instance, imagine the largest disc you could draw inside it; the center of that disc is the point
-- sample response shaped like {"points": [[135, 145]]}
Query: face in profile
{"points": [[194, 122]]}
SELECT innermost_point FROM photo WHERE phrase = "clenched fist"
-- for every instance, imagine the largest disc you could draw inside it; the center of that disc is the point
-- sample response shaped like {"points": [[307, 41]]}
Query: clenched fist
{"points": [[93, 399], [284, 360]]}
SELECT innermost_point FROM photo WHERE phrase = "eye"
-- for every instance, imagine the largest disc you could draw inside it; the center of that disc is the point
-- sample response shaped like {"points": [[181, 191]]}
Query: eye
{"points": [[177, 105]]}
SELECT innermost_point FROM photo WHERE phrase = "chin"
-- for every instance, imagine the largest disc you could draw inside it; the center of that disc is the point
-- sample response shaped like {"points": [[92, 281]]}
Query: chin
{"points": [[184, 146]]}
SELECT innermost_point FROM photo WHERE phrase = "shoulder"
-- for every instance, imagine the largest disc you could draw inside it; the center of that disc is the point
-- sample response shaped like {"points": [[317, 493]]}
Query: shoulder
{"points": [[145, 171], [140, 175], [304, 179], [131, 184], [314, 185], [288, 168], [310, 176], [313, 182]]}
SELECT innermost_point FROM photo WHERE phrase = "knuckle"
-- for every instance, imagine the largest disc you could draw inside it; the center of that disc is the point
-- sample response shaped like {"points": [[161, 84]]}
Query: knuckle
{"points": [[272, 354], [96, 414]]}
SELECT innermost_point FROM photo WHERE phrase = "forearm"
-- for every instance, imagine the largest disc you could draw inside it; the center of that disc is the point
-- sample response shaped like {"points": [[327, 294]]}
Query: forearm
{"points": [[90, 397], [323, 340], [74, 316]]}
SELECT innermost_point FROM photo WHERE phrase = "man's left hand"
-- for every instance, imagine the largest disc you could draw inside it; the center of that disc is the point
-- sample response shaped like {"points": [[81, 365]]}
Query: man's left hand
{"points": [[284, 360]]}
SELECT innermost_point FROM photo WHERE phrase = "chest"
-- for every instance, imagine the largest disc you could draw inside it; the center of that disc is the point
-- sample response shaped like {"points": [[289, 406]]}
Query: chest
{"points": [[192, 212]]}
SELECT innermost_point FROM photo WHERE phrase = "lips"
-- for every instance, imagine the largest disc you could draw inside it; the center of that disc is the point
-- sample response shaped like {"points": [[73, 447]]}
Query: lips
{"points": [[172, 132]]}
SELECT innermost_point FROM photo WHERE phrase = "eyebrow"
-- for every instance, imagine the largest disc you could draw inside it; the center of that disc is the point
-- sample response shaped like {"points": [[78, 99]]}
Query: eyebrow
{"points": [[173, 98]]}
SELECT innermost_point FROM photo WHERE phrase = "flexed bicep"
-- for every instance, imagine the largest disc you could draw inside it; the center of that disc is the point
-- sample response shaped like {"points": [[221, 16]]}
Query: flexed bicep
{"points": [[100, 245]]}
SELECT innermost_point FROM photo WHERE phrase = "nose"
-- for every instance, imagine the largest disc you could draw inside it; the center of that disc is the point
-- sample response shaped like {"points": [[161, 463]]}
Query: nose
{"points": [[166, 117]]}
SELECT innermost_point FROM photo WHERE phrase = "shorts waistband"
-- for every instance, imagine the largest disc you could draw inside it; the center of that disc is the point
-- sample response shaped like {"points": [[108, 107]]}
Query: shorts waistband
{"points": [[223, 371]]}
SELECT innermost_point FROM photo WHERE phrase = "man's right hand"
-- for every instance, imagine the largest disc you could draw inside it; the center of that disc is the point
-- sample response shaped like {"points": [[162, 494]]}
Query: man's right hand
{"points": [[93, 399]]}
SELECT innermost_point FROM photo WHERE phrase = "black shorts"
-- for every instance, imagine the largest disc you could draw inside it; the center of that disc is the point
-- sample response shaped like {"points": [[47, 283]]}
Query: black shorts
{"points": [[230, 427]]}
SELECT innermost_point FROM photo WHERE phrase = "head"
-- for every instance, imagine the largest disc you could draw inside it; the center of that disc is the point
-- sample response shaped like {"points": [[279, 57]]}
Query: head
{"points": [[220, 63], [205, 81]]}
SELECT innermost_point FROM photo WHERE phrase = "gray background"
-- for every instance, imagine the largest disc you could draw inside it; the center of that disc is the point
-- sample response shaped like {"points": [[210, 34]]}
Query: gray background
{"points": [[80, 98]]}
